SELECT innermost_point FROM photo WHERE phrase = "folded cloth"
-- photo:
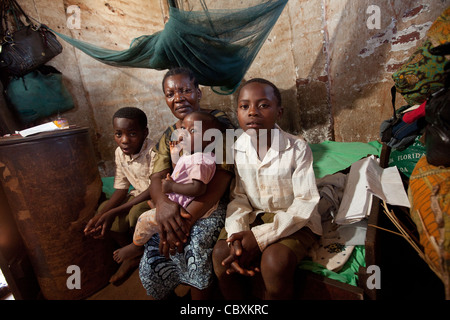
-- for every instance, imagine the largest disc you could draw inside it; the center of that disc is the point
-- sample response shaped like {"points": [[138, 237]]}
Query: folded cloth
{"points": [[331, 189], [411, 116]]}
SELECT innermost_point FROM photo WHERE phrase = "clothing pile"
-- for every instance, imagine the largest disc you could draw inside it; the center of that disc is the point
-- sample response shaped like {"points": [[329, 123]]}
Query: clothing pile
{"points": [[424, 83]]}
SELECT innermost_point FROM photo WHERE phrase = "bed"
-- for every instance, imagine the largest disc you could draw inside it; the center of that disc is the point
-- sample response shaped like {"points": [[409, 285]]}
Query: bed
{"points": [[349, 281]]}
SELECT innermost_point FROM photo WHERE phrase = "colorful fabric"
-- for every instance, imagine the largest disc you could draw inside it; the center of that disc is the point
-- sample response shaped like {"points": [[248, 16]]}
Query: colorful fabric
{"points": [[429, 194], [420, 76], [193, 267], [423, 73], [439, 32], [411, 116]]}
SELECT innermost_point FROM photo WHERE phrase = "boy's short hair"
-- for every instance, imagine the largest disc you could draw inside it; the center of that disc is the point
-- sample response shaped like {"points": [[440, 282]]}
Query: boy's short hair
{"points": [[180, 70], [276, 91], [132, 113]]}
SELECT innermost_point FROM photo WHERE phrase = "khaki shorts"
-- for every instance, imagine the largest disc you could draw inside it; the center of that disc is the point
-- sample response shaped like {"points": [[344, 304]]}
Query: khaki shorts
{"points": [[299, 242], [127, 222]]}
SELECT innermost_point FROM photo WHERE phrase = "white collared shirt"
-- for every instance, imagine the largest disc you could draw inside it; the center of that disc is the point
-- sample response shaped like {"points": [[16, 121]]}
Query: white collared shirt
{"points": [[134, 170], [282, 183]]}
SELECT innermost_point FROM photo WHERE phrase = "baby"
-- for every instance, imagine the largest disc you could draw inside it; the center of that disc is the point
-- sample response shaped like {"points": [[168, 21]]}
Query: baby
{"points": [[193, 171]]}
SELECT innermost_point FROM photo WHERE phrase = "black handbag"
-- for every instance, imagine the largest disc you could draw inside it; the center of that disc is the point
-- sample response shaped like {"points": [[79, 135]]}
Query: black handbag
{"points": [[29, 46]]}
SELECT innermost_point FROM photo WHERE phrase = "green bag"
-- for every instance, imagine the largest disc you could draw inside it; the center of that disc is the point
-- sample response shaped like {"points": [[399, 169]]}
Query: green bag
{"points": [[405, 160], [38, 94]]}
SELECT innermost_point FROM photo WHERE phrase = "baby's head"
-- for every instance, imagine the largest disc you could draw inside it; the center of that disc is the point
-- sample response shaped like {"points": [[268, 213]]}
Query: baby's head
{"points": [[130, 129], [195, 125]]}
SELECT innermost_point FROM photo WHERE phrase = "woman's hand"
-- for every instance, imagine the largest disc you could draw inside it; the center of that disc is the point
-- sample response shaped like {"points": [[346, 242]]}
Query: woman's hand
{"points": [[166, 184], [174, 229]]}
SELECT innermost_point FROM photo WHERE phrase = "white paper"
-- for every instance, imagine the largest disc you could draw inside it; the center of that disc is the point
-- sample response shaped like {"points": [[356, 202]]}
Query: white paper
{"points": [[365, 179], [393, 189], [49, 126]]}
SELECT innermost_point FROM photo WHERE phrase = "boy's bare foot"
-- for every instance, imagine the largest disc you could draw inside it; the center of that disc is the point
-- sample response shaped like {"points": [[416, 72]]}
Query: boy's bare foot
{"points": [[128, 252], [125, 270]]}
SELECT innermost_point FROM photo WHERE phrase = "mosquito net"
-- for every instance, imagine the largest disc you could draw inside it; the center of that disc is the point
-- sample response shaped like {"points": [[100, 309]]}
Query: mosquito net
{"points": [[217, 44]]}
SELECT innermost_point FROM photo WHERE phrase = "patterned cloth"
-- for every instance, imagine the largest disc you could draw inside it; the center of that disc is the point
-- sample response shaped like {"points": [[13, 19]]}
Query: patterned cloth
{"points": [[160, 276], [423, 73], [429, 194]]}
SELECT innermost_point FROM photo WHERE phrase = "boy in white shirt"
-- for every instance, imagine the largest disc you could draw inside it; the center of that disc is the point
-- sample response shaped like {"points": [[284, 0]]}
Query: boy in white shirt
{"points": [[272, 220]]}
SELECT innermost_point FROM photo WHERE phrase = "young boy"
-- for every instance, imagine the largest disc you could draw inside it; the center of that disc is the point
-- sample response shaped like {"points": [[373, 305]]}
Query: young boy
{"points": [[272, 219], [134, 165]]}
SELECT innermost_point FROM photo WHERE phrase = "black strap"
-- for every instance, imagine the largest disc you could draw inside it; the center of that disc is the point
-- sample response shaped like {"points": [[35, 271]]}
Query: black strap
{"points": [[20, 10], [11, 7], [393, 94]]}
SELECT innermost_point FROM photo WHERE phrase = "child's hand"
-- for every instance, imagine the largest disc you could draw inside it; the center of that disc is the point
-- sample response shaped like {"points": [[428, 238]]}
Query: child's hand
{"points": [[175, 148], [167, 183], [244, 251], [98, 225]]}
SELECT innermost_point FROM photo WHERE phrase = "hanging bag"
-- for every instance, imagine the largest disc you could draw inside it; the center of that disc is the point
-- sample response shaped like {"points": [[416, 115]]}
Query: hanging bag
{"points": [[38, 94], [28, 46]]}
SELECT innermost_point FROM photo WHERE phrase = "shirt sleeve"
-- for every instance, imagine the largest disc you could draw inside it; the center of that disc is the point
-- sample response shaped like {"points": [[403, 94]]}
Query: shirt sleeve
{"points": [[120, 179], [302, 208], [162, 160], [223, 118], [238, 210], [203, 171]]}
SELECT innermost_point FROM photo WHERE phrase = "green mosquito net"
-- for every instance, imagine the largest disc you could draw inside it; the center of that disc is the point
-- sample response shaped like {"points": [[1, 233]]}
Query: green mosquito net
{"points": [[217, 43]]}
